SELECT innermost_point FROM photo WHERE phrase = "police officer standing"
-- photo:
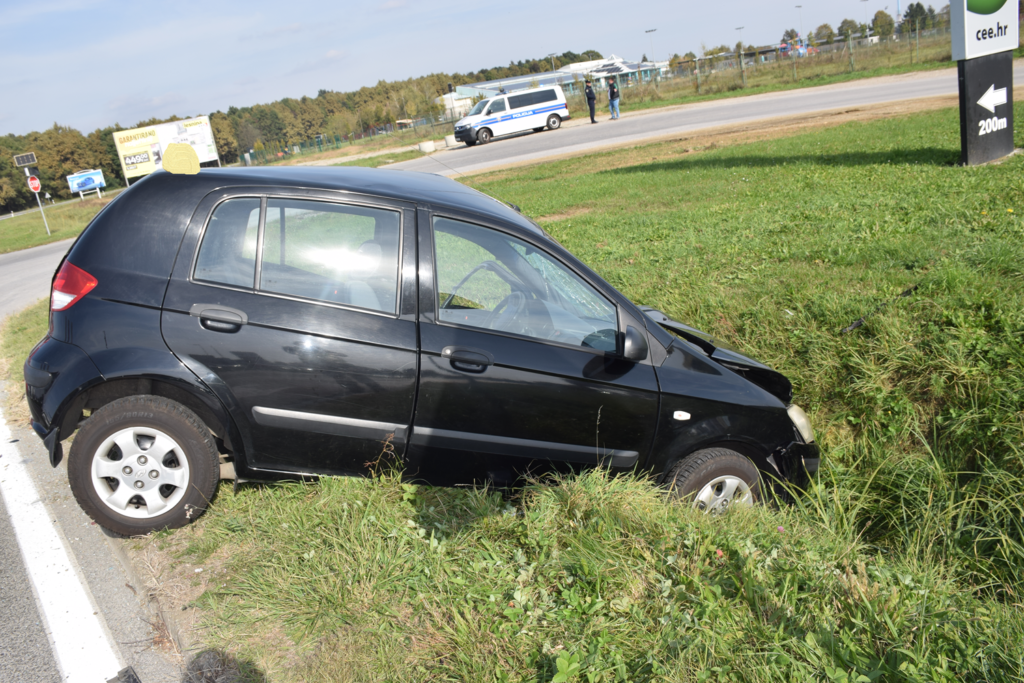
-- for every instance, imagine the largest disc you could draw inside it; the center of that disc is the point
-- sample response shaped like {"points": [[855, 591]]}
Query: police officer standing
{"points": [[613, 97], [591, 100]]}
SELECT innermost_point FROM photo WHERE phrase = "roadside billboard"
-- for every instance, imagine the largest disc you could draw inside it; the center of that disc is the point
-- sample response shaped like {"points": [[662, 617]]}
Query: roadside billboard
{"points": [[983, 27], [141, 149], [86, 181]]}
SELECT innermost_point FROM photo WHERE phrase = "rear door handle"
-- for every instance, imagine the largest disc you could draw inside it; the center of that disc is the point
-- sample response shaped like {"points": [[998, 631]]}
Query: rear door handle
{"points": [[219, 318], [467, 359]]}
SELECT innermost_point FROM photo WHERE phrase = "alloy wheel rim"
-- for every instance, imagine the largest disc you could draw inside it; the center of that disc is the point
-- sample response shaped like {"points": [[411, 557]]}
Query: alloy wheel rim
{"points": [[723, 493], [140, 472]]}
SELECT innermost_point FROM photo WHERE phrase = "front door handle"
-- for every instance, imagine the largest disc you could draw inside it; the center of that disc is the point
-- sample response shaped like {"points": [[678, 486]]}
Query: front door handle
{"points": [[219, 318], [467, 359]]}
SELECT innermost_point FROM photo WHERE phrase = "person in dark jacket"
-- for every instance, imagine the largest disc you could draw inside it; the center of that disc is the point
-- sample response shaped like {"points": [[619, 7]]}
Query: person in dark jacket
{"points": [[591, 99], [613, 98]]}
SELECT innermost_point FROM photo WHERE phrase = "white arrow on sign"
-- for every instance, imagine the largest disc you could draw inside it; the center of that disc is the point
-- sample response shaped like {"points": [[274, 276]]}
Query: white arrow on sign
{"points": [[993, 98]]}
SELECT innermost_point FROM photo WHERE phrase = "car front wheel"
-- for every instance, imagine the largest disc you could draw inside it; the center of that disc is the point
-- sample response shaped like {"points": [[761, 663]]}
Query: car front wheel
{"points": [[714, 480], [143, 463], [483, 136]]}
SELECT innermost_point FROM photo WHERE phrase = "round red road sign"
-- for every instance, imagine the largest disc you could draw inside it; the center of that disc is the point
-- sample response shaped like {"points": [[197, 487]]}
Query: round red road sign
{"points": [[34, 184]]}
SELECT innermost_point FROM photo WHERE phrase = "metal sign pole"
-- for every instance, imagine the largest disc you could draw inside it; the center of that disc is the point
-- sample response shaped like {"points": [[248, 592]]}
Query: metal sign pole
{"points": [[42, 212], [983, 37]]}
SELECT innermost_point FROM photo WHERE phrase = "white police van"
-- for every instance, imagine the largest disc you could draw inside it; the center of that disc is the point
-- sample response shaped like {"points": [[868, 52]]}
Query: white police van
{"points": [[537, 109]]}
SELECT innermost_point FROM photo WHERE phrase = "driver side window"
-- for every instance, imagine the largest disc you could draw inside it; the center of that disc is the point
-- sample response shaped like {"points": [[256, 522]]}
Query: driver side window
{"points": [[489, 280]]}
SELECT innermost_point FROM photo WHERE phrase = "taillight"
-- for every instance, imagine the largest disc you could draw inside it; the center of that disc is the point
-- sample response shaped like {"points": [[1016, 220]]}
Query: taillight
{"points": [[70, 285]]}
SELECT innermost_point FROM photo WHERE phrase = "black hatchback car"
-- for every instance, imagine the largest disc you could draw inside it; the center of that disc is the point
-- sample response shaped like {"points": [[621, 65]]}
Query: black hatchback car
{"points": [[263, 323]]}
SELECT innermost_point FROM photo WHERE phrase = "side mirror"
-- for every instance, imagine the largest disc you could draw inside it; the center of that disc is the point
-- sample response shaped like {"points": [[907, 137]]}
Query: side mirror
{"points": [[635, 347]]}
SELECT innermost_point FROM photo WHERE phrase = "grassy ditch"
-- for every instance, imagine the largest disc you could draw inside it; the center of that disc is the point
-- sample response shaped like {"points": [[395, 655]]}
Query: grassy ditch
{"points": [[65, 220], [903, 563]]}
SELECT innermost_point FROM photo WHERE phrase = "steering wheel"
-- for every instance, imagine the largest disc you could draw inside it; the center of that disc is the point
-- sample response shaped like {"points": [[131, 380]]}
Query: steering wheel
{"points": [[506, 312]]}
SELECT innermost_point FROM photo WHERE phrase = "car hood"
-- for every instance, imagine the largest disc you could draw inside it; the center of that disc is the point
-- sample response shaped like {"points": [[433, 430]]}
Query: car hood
{"points": [[772, 381]]}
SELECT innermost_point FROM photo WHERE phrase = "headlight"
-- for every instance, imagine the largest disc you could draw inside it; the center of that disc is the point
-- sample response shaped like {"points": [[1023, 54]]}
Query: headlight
{"points": [[801, 422]]}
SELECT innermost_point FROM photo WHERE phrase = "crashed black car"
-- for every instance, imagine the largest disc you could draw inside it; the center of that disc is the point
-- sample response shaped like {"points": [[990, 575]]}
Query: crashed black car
{"points": [[267, 323]]}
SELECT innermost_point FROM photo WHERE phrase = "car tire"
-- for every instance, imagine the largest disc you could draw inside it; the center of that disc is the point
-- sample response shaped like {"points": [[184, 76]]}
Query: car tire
{"points": [[483, 136], [113, 450], [554, 122], [714, 480], [537, 130], [470, 143]]}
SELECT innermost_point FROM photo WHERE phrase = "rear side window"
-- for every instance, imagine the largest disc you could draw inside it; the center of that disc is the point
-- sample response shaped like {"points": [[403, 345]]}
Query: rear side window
{"points": [[532, 98], [331, 252], [227, 255]]}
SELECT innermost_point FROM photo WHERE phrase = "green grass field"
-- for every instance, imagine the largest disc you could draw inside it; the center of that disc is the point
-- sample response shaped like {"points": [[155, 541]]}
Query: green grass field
{"points": [[903, 563], [383, 159], [66, 220]]}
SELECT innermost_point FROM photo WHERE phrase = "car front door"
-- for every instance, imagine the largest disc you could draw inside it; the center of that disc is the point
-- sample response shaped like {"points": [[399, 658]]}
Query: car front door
{"points": [[518, 362], [289, 306]]}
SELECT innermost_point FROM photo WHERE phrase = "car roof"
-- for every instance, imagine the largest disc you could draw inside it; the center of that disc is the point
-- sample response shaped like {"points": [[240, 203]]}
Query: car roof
{"points": [[389, 183]]}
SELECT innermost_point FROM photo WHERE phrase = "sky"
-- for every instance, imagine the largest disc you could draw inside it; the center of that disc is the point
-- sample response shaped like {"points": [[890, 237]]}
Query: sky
{"points": [[88, 64]]}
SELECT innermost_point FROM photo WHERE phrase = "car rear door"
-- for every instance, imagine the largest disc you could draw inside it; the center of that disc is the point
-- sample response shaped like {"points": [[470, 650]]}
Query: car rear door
{"points": [[289, 304], [518, 362]]}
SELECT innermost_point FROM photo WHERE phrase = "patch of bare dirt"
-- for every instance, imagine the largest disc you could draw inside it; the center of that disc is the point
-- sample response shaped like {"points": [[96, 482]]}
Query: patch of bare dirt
{"points": [[571, 213]]}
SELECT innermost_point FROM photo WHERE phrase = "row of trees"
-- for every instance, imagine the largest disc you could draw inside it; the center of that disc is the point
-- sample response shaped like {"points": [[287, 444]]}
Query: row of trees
{"points": [[882, 25], [61, 150]]}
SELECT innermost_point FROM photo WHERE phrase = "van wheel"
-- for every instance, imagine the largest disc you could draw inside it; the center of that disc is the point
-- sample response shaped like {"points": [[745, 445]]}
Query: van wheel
{"points": [[483, 136], [714, 480], [537, 130], [470, 143], [554, 121], [143, 463]]}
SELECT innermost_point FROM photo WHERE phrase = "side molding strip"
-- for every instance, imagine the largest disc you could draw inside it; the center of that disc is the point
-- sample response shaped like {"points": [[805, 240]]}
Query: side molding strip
{"points": [[522, 448], [327, 424]]}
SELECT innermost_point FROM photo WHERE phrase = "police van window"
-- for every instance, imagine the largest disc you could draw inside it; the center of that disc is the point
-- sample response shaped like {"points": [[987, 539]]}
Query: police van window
{"points": [[544, 96], [480, 107], [517, 101], [497, 105], [227, 255]]}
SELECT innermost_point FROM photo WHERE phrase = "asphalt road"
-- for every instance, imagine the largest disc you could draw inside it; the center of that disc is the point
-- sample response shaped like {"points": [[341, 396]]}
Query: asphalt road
{"points": [[655, 123], [25, 275]]}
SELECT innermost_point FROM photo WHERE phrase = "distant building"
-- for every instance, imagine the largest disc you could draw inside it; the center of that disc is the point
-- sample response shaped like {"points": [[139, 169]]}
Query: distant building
{"points": [[454, 105], [571, 77]]}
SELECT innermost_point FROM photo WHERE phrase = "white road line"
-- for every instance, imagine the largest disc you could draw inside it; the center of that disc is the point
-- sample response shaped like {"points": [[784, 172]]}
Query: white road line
{"points": [[77, 635]]}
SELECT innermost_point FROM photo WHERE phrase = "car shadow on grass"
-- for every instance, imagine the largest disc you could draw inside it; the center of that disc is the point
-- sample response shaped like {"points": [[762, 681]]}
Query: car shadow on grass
{"points": [[217, 666]]}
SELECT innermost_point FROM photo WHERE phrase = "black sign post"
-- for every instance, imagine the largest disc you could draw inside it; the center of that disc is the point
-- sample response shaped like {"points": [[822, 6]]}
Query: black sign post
{"points": [[986, 108]]}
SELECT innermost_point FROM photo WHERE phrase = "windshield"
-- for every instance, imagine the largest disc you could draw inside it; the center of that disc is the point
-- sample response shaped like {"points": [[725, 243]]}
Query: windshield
{"points": [[479, 108]]}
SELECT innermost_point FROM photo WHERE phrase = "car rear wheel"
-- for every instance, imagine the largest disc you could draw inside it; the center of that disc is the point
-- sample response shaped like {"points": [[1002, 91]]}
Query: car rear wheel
{"points": [[143, 463], [554, 121], [714, 480], [484, 136]]}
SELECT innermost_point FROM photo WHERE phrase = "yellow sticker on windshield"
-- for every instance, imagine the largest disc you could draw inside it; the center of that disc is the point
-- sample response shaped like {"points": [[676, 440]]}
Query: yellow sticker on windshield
{"points": [[181, 158]]}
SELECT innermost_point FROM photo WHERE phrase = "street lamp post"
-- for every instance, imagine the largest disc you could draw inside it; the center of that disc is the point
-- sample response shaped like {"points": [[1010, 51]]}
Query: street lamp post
{"points": [[801, 8], [652, 41], [867, 28], [552, 57]]}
